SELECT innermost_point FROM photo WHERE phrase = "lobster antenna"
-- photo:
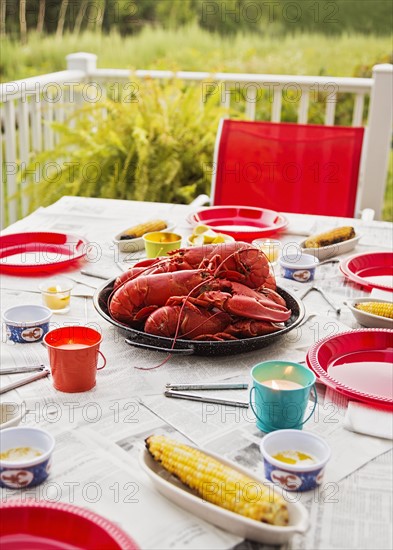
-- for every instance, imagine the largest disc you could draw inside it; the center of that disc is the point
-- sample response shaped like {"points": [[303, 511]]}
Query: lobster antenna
{"points": [[177, 327]]}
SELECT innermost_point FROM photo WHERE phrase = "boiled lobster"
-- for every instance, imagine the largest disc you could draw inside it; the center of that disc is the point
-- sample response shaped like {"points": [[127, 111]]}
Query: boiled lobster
{"points": [[201, 324], [205, 293], [235, 261]]}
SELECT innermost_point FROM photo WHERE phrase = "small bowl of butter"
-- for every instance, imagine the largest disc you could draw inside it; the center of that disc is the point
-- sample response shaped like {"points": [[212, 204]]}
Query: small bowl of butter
{"points": [[25, 456], [56, 295], [295, 460]]}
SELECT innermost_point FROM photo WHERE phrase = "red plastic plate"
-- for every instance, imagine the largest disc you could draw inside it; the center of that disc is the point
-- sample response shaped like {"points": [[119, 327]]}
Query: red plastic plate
{"points": [[358, 363], [370, 270], [29, 253], [241, 222], [41, 525]]}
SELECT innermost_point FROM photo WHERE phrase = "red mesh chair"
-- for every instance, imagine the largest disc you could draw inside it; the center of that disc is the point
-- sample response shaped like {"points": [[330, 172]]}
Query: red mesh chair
{"points": [[307, 169]]}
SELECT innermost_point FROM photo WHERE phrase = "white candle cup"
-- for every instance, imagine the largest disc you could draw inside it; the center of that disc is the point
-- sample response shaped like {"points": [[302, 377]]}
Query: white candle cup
{"points": [[271, 248], [56, 295]]}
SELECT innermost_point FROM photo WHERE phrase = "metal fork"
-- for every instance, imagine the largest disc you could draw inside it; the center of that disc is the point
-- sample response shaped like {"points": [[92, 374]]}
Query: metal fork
{"points": [[21, 370]]}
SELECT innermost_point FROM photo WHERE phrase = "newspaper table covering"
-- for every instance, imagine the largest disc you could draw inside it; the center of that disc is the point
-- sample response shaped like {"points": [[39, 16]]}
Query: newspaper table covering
{"points": [[100, 433]]}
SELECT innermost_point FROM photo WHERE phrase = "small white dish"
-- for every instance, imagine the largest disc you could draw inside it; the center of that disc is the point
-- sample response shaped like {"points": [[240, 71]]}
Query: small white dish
{"points": [[368, 319], [234, 523], [134, 245], [327, 252]]}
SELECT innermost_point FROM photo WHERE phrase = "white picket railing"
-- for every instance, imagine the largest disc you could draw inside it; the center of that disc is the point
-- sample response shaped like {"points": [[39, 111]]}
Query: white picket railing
{"points": [[27, 108]]}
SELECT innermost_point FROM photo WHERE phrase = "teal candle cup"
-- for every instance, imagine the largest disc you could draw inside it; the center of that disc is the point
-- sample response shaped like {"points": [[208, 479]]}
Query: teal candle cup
{"points": [[281, 409]]}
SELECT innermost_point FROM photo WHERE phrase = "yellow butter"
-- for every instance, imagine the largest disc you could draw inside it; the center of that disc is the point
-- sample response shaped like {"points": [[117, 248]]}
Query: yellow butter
{"points": [[294, 457], [16, 454]]}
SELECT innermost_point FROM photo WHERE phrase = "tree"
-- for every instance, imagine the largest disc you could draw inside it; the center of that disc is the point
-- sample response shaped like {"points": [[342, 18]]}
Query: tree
{"points": [[80, 15], [22, 21], [100, 15], [41, 16], [62, 16], [96, 15], [3, 11]]}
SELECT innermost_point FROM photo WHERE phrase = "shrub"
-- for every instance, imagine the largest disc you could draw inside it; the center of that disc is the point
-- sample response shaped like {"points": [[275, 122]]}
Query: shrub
{"points": [[155, 148]]}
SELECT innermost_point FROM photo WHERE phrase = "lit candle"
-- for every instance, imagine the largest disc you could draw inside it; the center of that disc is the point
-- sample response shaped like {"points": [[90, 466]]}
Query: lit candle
{"points": [[72, 346], [282, 384]]}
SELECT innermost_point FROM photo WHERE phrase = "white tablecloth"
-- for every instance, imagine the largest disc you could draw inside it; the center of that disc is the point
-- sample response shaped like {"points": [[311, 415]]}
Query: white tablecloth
{"points": [[100, 433]]}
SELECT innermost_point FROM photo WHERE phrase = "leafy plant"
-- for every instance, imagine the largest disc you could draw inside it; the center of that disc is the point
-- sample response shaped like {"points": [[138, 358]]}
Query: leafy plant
{"points": [[157, 147]]}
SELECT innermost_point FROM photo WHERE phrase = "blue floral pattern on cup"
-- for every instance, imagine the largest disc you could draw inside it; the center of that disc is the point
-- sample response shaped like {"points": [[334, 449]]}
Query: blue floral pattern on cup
{"points": [[25, 335], [293, 481], [27, 323], [21, 477], [300, 275]]}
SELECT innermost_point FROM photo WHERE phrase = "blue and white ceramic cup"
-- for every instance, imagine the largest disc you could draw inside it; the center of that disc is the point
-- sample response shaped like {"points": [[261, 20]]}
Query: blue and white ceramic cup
{"points": [[26, 324], [303, 475], [29, 471], [298, 267]]}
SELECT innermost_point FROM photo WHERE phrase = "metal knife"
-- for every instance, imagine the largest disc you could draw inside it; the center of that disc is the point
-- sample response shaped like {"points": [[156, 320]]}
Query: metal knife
{"points": [[218, 386], [203, 399]]}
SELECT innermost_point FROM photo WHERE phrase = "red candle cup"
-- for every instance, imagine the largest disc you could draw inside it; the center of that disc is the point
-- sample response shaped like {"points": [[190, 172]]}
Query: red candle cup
{"points": [[73, 357]]}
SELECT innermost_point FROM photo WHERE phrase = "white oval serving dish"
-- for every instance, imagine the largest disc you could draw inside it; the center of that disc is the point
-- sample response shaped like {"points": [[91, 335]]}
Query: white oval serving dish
{"points": [[326, 252], [174, 490], [368, 319], [133, 245]]}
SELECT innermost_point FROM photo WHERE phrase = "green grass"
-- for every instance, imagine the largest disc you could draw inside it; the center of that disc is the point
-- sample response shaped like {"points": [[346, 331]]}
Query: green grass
{"points": [[192, 48]]}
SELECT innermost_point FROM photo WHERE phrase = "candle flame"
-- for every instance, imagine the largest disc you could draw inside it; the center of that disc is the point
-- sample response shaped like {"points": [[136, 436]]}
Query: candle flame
{"points": [[275, 386]]}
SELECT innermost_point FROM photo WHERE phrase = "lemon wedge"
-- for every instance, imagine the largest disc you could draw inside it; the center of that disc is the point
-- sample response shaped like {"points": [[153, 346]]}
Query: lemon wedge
{"points": [[220, 238], [209, 236], [199, 229]]}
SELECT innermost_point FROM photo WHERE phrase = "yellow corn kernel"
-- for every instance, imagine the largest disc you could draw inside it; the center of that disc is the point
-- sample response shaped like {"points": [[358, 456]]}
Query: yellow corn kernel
{"points": [[382, 309], [218, 483], [333, 236]]}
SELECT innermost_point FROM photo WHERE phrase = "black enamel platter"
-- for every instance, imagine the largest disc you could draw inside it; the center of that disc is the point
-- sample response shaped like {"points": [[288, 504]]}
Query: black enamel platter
{"points": [[141, 339]]}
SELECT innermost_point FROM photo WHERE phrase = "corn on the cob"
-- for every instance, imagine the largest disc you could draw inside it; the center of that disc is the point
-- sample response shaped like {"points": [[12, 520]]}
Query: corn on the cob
{"points": [[142, 228], [218, 483], [333, 236], [383, 309]]}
